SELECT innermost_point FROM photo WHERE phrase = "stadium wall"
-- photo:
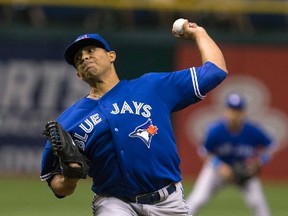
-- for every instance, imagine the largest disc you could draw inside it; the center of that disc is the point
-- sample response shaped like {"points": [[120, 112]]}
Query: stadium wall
{"points": [[260, 73]]}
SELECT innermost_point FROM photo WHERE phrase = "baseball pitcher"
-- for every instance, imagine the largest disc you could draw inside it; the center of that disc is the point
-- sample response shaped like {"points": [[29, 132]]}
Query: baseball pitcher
{"points": [[120, 134]]}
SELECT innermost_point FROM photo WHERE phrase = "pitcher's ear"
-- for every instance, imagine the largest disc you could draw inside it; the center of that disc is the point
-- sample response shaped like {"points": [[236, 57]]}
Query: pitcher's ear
{"points": [[112, 55]]}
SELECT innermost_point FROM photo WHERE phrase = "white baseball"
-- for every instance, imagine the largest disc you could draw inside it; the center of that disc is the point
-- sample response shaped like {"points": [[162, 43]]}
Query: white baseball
{"points": [[178, 26]]}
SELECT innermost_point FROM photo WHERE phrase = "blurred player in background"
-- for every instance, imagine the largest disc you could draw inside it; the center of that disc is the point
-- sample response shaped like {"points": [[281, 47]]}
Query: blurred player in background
{"points": [[124, 127], [234, 150]]}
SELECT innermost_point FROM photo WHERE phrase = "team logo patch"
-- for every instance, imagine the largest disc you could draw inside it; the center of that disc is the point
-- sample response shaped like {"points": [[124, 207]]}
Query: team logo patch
{"points": [[145, 132]]}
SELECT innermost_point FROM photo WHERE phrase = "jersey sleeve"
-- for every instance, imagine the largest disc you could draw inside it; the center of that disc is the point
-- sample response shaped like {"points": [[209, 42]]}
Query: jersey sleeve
{"points": [[209, 76], [263, 138], [210, 142], [182, 88]]}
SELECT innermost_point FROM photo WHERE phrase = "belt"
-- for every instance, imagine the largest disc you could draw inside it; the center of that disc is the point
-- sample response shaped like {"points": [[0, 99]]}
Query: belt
{"points": [[155, 197]]}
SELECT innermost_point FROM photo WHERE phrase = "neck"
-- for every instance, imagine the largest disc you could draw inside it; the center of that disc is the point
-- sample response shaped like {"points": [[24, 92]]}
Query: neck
{"points": [[95, 95], [100, 90], [235, 127]]}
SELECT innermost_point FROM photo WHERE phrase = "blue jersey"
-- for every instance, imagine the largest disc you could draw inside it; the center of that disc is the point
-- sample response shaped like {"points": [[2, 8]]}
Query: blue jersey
{"points": [[127, 134], [238, 146]]}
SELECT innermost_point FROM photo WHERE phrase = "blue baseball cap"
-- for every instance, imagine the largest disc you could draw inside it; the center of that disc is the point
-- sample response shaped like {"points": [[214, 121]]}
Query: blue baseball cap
{"points": [[82, 41], [235, 101]]}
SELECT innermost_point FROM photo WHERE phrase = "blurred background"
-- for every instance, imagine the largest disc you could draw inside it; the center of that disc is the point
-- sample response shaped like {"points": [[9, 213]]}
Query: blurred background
{"points": [[36, 85]]}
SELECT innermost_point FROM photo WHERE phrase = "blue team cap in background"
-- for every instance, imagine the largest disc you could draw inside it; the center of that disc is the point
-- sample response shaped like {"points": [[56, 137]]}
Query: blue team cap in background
{"points": [[82, 41], [235, 101]]}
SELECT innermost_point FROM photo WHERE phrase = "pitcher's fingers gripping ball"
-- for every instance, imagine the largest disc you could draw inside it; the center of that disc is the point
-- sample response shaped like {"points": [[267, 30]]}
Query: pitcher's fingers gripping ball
{"points": [[67, 151]]}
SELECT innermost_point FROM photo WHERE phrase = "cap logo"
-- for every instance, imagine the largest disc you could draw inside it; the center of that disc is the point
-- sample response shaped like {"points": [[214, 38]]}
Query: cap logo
{"points": [[82, 37]]}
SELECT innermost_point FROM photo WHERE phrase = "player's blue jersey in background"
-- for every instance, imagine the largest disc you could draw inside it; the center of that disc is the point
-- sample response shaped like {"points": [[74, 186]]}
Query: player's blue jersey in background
{"points": [[241, 145], [127, 134]]}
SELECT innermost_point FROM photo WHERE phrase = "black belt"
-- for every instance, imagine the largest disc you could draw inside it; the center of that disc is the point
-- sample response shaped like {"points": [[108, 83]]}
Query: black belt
{"points": [[154, 197]]}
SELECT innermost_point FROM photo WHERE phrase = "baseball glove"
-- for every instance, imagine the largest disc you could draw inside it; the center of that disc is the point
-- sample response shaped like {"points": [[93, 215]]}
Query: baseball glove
{"points": [[243, 171], [67, 151]]}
